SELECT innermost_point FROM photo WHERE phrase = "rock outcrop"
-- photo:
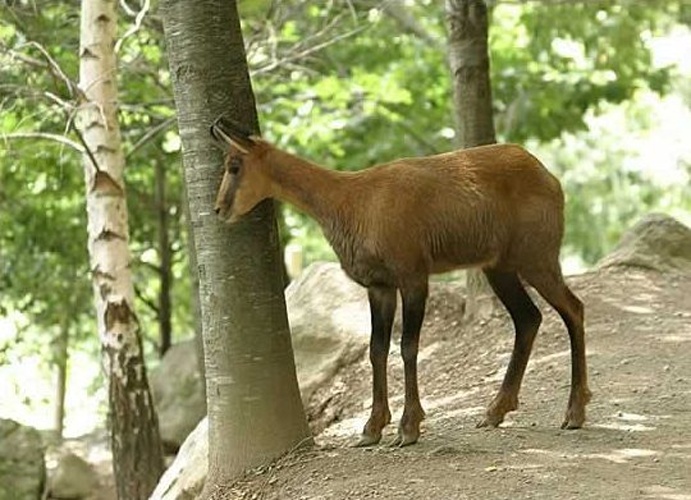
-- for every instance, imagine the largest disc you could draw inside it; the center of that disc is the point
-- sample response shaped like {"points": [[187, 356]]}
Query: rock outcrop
{"points": [[22, 466], [178, 394], [656, 242], [329, 322]]}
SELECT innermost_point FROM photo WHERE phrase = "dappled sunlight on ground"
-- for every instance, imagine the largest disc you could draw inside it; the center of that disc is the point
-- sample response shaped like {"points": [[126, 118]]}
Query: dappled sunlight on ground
{"points": [[461, 412], [629, 422], [349, 428], [446, 401], [665, 493], [638, 309], [620, 456]]}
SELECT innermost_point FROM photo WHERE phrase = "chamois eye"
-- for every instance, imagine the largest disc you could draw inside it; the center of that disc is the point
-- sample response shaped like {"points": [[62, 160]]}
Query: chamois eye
{"points": [[234, 166]]}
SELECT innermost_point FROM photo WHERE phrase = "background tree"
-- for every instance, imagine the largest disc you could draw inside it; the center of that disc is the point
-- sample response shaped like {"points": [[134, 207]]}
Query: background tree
{"points": [[254, 407], [135, 442], [472, 92]]}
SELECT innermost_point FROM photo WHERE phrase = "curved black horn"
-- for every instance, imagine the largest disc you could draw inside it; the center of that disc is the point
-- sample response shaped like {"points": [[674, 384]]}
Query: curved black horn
{"points": [[229, 128]]}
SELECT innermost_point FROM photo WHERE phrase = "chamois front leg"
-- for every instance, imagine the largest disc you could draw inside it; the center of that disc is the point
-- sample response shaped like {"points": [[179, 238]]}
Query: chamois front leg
{"points": [[414, 300], [382, 309]]}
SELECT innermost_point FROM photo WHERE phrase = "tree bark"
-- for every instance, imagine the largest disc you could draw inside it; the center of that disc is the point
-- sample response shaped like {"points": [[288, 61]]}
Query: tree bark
{"points": [[196, 304], [135, 442], [164, 309], [61, 360], [469, 63], [254, 407]]}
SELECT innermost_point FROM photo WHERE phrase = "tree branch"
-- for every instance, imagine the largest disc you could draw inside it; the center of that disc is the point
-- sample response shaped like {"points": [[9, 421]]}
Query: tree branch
{"points": [[153, 267], [396, 10], [305, 53], [55, 69], [150, 135], [148, 302], [46, 136], [87, 150], [135, 27]]}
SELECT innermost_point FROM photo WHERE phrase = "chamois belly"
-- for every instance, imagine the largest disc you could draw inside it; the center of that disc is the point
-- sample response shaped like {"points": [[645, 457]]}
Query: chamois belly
{"points": [[440, 267], [398, 254], [371, 269], [463, 252], [364, 266], [369, 275]]}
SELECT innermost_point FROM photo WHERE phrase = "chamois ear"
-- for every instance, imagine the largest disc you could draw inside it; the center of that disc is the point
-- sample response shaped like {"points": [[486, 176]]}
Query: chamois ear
{"points": [[230, 133]]}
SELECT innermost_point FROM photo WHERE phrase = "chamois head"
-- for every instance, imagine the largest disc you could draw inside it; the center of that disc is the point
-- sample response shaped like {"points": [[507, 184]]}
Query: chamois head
{"points": [[244, 184]]}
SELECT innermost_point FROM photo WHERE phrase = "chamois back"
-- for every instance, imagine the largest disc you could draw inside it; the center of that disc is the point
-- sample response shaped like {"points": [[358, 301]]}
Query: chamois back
{"points": [[469, 208]]}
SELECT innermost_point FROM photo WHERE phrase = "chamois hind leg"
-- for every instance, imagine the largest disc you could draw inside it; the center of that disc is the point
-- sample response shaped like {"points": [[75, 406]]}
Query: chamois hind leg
{"points": [[549, 283], [526, 319], [414, 299], [382, 309]]}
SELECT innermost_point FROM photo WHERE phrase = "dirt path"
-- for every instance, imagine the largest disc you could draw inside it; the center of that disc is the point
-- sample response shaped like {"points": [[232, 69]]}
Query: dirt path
{"points": [[637, 442]]}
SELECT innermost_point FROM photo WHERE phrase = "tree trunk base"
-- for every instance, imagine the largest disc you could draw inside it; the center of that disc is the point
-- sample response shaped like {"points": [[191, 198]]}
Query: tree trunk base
{"points": [[480, 300]]}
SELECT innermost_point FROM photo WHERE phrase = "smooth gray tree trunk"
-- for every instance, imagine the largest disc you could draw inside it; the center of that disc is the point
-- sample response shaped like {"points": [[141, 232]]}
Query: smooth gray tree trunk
{"points": [[254, 407], [194, 292], [469, 63]]}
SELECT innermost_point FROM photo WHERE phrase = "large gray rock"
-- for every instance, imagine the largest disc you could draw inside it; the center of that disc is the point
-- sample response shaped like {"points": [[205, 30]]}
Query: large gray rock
{"points": [[71, 477], [178, 394], [329, 322], [184, 479], [22, 466], [656, 242]]}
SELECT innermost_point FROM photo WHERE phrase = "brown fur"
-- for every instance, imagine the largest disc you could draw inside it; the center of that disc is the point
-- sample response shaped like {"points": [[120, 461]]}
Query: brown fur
{"points": [[494, 207]]}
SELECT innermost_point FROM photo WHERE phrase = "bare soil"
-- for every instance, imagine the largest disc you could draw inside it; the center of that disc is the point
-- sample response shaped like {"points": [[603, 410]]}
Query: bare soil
{"points": [[637, 439]]}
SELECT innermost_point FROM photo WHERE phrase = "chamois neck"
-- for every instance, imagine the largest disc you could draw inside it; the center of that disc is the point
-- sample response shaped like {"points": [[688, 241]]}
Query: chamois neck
{"points": [[312, 189]]}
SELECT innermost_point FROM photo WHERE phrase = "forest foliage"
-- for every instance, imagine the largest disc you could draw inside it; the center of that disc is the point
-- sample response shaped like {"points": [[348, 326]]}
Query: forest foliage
{"points": [[347, 84]]}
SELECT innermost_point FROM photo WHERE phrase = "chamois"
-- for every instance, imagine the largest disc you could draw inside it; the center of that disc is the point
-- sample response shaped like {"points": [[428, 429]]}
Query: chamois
{"points": [[495, 207]]}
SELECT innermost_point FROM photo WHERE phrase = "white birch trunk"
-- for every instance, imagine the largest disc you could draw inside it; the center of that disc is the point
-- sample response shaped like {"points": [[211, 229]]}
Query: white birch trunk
{"points": [[137, 456]]}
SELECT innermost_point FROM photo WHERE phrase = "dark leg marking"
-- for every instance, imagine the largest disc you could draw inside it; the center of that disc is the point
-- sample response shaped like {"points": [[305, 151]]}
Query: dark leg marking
{"points": [[414, 300], [382, 308], [526, 319], [550, 284]]}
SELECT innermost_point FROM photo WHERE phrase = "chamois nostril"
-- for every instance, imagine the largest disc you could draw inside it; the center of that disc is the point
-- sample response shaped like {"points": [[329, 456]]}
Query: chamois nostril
{"points": [[217, 210]]}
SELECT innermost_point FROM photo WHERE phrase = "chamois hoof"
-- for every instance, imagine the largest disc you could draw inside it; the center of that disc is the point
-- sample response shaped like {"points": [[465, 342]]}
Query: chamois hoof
{"points": [[575, 413], [574, 419], [404, 439], [367, 440], [490, 421], [568, 425]]}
